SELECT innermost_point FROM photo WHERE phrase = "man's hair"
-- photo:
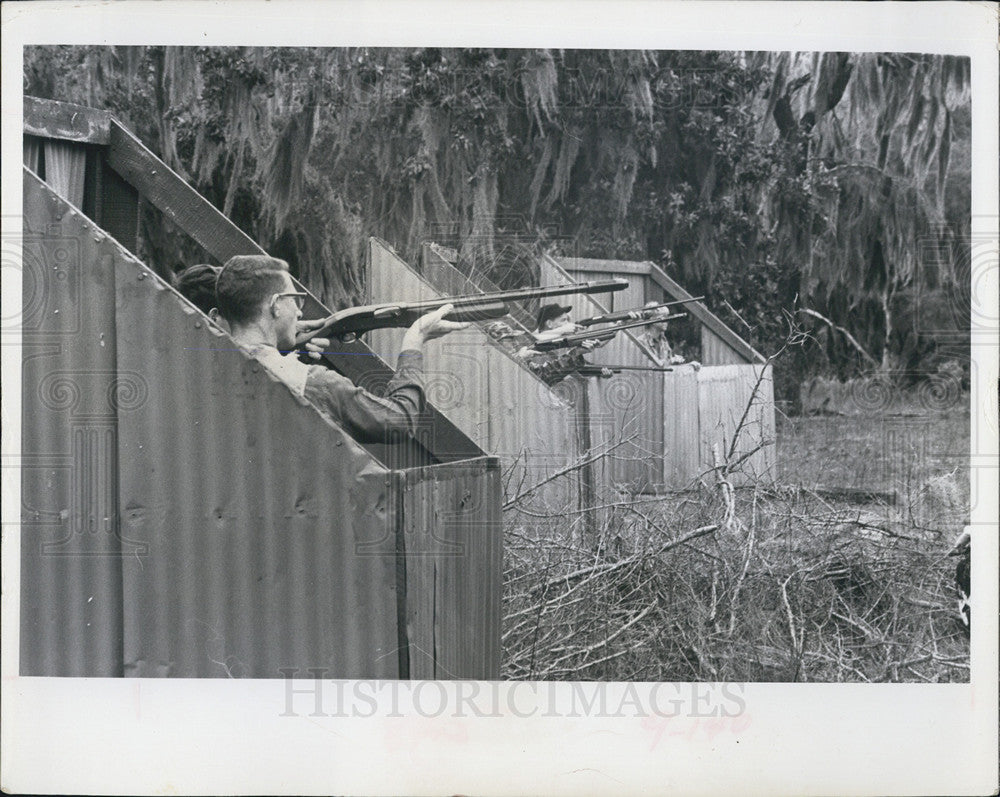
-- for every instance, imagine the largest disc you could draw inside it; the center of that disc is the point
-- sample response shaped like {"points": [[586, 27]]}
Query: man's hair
{"points": [[197, 285], [245, 283], [548, 312]]}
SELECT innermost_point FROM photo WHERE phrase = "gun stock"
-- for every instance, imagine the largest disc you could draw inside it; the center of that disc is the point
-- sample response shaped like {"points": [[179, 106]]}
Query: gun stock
{"points": [[476, 307]]}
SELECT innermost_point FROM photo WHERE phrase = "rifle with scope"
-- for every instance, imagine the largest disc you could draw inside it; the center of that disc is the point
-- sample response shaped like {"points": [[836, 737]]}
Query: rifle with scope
{"points": [[605, 333], [355, 321], [637, 314]]}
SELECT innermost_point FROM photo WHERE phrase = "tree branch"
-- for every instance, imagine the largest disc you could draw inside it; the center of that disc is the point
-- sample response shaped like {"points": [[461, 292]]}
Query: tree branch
{"points": [[848, 335]]}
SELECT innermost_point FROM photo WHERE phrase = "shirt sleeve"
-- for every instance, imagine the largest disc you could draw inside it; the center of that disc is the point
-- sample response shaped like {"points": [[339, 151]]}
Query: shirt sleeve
{"points": [[370, 418], [553, 367]]}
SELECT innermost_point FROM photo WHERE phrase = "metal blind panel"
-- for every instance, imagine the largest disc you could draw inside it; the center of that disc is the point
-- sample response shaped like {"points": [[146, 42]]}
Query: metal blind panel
{"points": [[270, 532], [723, 394], [493, 399], [71, 548]]}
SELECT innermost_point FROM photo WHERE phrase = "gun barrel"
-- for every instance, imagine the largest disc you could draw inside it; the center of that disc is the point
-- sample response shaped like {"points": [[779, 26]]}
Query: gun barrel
{"points": [[519, 294], [652, 368], [598, 370]]}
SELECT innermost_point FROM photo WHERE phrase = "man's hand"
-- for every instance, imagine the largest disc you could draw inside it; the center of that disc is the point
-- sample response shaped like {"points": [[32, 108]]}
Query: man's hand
{"points": [[430, 326], [315, 347], [558, 332], [679, 360], [595, 343]]}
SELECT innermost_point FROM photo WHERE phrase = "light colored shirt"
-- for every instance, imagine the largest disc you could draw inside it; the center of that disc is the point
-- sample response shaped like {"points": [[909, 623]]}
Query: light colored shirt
{"points": [[288, 368]]}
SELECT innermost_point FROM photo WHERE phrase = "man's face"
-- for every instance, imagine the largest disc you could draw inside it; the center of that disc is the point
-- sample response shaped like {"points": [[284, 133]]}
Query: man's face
{"points": [[285, 313], [558, 321]]}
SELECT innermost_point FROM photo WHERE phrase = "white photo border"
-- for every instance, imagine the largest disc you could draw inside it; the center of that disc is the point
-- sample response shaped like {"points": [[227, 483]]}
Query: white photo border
{"points": [[214, 736]]}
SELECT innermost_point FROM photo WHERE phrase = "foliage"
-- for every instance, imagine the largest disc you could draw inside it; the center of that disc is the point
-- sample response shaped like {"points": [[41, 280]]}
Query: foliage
{"points": [[771, 182]]}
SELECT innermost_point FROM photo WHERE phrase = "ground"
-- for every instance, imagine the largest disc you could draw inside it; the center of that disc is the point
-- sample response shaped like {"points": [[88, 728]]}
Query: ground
{"points": [[839, 571], [898, 454]]}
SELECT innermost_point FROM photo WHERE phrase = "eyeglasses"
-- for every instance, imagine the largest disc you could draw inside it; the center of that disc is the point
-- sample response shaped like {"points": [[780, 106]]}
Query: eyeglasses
{"points": [[300, 298]]}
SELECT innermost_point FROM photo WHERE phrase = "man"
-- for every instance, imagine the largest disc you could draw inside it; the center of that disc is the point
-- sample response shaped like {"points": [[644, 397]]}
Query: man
{"points": [[197, 285], [553, 321], [257, 298], [655, 336]]}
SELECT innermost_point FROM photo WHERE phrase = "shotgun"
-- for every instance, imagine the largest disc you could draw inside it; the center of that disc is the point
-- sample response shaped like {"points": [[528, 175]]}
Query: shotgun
{"points": [[639, 313], [605, 333], [355, 321], [595, 370]]}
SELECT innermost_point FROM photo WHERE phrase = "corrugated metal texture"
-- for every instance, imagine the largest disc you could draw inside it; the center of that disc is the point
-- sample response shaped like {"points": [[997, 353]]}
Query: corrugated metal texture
{"points": [[270, 533], [625, 348], [681, 428], [456, 379], [255, 535], [71, 603], [33, 153], [532, 427], [724, 392], [446, 278], [626, 418], [715, 351], [626, 410], [65, 166], [491, 397], [532, 430], [454, 570]]}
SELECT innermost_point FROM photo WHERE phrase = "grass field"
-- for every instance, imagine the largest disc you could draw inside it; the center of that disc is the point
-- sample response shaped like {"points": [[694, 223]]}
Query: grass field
{"points": [[838, 572], [915, 458]]}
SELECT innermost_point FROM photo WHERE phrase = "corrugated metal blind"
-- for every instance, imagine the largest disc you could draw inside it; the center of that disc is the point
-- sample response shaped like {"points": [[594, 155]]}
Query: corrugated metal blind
{"points": [[503, 407], [726, 398], [71, 588], [626, 411], [214, 524]]}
